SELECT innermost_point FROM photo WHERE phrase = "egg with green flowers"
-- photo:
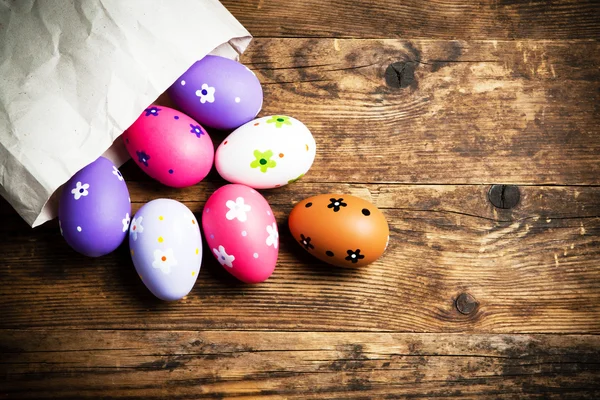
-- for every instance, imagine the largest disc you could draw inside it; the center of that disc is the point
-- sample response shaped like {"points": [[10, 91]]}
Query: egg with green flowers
{"points": [[267, 152]]}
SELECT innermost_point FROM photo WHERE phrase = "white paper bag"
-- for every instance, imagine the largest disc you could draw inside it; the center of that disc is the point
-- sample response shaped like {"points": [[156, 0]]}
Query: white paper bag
{"points": [[74, 74]]}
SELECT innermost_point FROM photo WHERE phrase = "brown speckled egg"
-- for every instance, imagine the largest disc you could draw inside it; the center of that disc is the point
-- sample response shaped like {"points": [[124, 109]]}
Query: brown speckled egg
{"points": [[340, 229]]}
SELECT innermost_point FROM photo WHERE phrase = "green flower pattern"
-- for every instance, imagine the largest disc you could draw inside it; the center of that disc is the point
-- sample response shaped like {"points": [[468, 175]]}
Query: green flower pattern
{"points": [[295, 179], [279, 121], [263, 160]]}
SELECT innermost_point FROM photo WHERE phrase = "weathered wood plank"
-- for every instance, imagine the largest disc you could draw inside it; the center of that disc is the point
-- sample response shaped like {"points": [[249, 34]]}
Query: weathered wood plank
{"points": [[487, 19], [418, 127], [468, 112], [532, 269], [192, 364]]}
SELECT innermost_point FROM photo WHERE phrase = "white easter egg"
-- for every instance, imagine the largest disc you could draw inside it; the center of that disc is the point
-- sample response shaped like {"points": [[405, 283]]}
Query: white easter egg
{"points": [[267, 152]]}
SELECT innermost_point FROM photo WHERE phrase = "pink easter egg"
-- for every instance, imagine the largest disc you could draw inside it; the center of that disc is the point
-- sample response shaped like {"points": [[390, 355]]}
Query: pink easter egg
{"points": [[170, 146], [241, 232]]}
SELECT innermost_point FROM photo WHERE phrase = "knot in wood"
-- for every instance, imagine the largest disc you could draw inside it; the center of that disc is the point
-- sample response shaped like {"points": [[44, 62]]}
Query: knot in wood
{"points": [[400, 74], [466, 304], [504, 196]]}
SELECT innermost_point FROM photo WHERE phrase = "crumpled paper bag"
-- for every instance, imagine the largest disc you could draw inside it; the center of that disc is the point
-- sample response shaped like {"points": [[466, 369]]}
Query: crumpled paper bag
{"points": [[74, 74]]}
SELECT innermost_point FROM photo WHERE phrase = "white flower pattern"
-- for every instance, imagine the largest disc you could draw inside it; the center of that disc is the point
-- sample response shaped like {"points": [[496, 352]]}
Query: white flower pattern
{"points": [[136, 227], [237, 209], [273, 238], [223, 257], [125, 222], [117, 173], [80, 190], [164, 260], [206, 94]]}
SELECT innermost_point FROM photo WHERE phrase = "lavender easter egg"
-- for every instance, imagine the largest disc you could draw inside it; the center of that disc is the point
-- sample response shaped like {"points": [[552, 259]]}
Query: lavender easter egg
{"points": [[170, 146], [94, 208], [166, 248], [266, 153], [218, 92], [241, 232]]}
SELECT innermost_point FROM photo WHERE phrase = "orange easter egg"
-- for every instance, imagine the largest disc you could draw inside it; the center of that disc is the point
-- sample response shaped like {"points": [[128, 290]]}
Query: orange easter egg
{"points": [[340, 229]]}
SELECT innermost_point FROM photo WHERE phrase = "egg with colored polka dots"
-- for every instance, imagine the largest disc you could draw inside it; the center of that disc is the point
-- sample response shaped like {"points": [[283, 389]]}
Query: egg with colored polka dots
{"points": [[340, 229], [169, 146], [166, 248], [218, 92], [241, 232], [267, 152]]}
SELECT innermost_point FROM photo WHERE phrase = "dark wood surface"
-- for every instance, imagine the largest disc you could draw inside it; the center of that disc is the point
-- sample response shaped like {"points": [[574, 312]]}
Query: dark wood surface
{"points": [[419, 107], [432, 19]]}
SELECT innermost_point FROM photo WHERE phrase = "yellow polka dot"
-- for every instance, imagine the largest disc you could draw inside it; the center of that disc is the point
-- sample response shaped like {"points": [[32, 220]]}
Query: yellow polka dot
{"points": [[197, 251], [161, 217], [193, 273], [141, 277], [160, 239], [306, 147], [132, 252], [193, 222]]}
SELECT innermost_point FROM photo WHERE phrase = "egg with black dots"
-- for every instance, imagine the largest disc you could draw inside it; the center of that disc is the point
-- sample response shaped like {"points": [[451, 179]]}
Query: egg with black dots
{"points": [[340, 229]]}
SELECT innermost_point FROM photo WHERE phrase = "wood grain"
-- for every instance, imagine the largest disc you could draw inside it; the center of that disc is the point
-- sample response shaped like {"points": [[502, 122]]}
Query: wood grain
{"points": [[469, 112], [418, 107], [532, 269], [303, 365], [485, 19]]}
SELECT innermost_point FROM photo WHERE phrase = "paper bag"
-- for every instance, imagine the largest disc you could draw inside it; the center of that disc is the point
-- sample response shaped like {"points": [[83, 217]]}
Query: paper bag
{"points": [[74, 74]]}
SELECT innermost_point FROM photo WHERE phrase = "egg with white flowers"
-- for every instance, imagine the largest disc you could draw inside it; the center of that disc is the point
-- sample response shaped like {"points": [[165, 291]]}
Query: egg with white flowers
{"points": [[166, 248], [241, 232], [266, 153], [94, 209], [218, 92]]}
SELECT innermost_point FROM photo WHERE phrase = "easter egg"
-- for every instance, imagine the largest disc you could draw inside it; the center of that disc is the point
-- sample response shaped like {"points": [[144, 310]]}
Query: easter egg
{"points": [[170, 146], [166, 248], [218, 92], [94, 207], [267, 152], [340, 229], [241, 232]]}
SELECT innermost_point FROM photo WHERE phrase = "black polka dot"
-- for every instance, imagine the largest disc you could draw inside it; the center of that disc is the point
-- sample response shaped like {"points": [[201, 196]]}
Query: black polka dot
{"points": [[170, 171], [127, 140], [308, 205], [329, 253], [366, 212]]}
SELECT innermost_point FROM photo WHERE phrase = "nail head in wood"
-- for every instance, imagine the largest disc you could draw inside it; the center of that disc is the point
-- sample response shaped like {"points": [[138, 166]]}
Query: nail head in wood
{"points": [[504, 196], [466, 304]]}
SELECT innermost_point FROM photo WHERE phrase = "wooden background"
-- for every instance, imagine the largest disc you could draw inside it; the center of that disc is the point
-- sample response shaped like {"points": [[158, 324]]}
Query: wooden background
{"points": [[418, 106]]}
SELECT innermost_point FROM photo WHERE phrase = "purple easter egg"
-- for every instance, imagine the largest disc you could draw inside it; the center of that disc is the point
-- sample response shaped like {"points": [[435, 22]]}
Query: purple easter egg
{"points": [[218, 92], [166, 248], [94, 208]]}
